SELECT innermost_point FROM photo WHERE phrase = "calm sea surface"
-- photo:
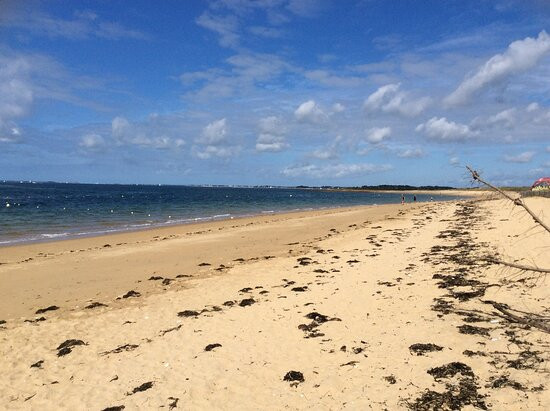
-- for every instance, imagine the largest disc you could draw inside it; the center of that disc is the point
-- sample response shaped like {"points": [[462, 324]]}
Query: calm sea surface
{"points": [[41, 211]]}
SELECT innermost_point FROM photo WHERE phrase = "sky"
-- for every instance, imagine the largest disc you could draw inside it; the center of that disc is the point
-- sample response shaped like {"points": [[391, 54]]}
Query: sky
{"points": [[277, 92]]}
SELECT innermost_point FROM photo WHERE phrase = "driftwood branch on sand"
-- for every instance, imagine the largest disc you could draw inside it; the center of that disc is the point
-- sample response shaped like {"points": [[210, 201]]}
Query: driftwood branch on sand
{"points": [[518, 202]]}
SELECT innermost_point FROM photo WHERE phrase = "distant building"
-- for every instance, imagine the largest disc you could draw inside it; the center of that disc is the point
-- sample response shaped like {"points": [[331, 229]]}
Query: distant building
{"points": [[541, 184]]}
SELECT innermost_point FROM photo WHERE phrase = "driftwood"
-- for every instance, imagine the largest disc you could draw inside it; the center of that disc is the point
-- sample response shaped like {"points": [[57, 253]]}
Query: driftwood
{"points": [[529, 319], [518, 202]]}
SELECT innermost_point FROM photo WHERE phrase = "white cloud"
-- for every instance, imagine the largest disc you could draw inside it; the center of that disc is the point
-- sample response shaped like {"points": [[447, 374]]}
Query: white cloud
{"points": [[338, 107], [524, 157], [225, 26], [25, 17], [330, 151], [213, 142], [378, 134], [454, 161], [506, 118], [147, 134], [520, 56], [411, 153], [390, 99], [333, 170], [214, 133], [272, 135], [93, 143], [16, 95], [310, 112], [443, 130], [532, 107]]}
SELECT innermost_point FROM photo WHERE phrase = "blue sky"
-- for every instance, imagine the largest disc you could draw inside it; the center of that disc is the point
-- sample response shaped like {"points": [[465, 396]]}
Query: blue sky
{"points": [[282, 92]]}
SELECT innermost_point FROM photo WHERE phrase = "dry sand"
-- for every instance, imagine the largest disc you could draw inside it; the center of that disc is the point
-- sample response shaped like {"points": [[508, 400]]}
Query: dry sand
{"points": [[339, 296]]}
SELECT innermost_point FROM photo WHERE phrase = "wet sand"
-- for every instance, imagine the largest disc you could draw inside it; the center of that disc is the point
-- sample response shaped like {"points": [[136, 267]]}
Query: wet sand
{"points": [[388, 307]]}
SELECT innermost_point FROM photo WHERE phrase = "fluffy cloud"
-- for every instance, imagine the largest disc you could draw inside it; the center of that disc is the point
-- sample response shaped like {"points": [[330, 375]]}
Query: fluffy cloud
{"points": [[443, 130], [214, 133], [338, 107], [92, 143], [520, 56], [272, 135], [532, 107], [390, 99], [310, 112], [329, 152], [16, 96], [333, 170], [506, 118], [411, 153], [524, 157], [378, 134], [454, 161], [148, 135], [213, 142]]}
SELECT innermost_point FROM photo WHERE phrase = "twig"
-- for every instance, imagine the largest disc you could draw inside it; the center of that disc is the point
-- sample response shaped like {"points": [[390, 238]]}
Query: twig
{"points": [[518, 266], [517, 201], [540, 324]]}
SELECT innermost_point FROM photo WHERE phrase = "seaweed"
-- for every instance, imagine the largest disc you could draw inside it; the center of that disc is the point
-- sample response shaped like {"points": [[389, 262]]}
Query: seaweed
{"points": [[421, 349], [44, 310], [294, 376]]}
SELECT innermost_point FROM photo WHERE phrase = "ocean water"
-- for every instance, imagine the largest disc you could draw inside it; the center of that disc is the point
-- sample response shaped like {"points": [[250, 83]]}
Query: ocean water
{"points": [[32, 212]]}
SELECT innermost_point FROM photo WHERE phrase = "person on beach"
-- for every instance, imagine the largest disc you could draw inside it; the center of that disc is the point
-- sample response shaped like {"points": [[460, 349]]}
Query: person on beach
{"points": [[414, 199], [402, 199]]}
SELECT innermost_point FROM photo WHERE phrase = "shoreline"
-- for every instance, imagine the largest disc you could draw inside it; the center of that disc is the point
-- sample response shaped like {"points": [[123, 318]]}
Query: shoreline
{"points": [[78, 269], [55, 237]]}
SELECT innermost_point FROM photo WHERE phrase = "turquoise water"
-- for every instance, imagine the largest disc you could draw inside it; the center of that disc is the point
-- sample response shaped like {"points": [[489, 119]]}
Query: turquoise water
{"points": [[42, 211]]}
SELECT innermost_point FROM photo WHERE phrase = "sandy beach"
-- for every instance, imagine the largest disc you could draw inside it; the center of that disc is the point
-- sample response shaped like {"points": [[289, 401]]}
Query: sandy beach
{"points": [[385, 307]]}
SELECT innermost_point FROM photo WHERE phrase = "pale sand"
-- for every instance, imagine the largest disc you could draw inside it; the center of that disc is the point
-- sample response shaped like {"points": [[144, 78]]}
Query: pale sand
{"points": [[378, 295]]}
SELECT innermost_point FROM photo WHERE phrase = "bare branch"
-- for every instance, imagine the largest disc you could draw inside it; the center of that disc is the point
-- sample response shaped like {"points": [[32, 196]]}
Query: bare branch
{"points": [[530, 320], [518, 266], [517, 201]]}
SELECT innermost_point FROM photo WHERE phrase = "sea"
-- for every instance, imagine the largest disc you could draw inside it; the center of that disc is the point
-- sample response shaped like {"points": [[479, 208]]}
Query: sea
{"points": [[33, 212]]}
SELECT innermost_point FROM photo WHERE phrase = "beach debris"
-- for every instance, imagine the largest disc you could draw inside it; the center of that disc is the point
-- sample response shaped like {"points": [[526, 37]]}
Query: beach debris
{"points": [[320, 271], [245, 290], [188, 313], [246, 302], [183, 275], [176, 328], [391, 379], [67, 346], [459, 392], [311, 329], [143, 387], [294, 376], [469, 353], [36, 320], [125, 347], [95, 305], [526, 360], [229, 303], [421, 349], [304, 261], [351, 363], [352, 261], [299, 289], [504, 381], [174, 403], [204, 264], [131, 293], [37, 364], [470, 329], [210, 347], [114, 408], [167, 281], [239, 260], [44, 310], [115, 378], [450, 370], [155, 278], [2, 322]]}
